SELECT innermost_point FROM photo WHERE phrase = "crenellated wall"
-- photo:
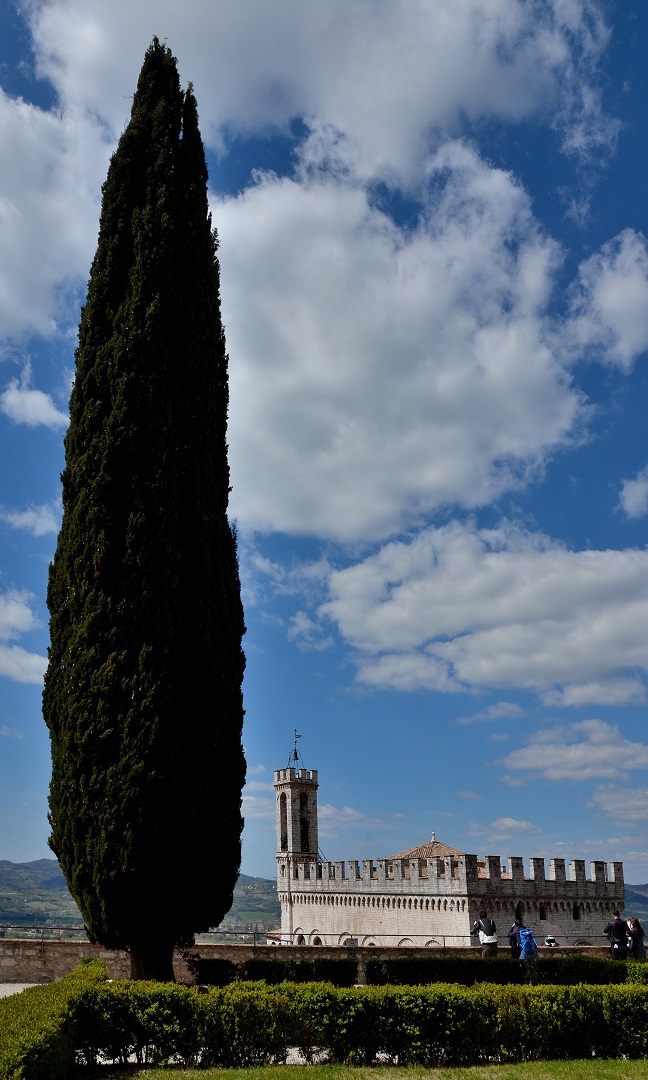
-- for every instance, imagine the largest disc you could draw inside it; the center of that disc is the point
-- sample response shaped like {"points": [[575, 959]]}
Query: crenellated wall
{"points": [[435, 901]]}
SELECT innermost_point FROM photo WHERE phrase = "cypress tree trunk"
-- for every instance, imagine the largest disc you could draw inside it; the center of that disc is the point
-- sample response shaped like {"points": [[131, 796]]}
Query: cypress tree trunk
{"points": [[143, 690]]}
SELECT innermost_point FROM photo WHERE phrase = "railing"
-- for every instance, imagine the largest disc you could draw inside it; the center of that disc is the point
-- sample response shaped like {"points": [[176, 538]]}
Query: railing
{"points": [[243, 936]]}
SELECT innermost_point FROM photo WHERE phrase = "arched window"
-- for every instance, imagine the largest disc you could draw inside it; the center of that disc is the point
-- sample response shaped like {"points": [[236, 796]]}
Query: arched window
{"points": [[283, 821], [303, 822]]}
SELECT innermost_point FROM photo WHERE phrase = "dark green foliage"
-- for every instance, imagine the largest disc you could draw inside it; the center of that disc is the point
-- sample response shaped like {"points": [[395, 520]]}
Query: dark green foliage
{"points": [[555, 970], [253, 1024], [38, 1027], [219, 972], [143, 691]]}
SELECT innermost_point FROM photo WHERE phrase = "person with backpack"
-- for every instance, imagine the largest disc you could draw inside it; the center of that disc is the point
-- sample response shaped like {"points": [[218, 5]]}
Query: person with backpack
{"points": [[528, 952], [616, 932], [485, 927], [514, 939]]}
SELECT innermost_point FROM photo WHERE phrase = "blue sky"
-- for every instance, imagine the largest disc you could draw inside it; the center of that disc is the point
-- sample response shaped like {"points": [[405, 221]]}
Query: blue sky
{"points": [[434, 267]]}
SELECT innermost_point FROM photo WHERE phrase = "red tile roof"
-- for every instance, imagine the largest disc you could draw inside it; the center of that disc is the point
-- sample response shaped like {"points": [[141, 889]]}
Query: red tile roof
{"points": [[430, 850]]}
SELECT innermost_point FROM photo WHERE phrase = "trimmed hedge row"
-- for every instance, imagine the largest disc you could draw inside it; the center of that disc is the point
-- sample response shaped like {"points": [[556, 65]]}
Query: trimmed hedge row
{"points": [[217, 972], [38, 1031], [554, 970], [252, 1024], [419, 971]]}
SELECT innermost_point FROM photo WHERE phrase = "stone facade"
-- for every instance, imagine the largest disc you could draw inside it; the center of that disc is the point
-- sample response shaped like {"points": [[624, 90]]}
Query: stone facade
{"points": [[428, 896]]}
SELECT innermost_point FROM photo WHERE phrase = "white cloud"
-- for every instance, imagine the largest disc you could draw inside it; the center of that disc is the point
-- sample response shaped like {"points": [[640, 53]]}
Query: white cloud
{"points": [[367, 387], [38, 520], [371, 363], [508, 824], [31, 407], [258, 65], [610, 301], [253, 786], [467, 794], [51, 168], [580, 751], [611, 692], [503, 828], [16, 616], [339, 816], [501, 710], [9, 733], [21, 666], [308, 633], [458, 607], [621, 804], [634, 495], [255, 807]]}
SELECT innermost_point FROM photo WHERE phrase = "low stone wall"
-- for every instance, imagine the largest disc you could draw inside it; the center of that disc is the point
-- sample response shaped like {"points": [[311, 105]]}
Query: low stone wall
{"points": [[27, 961]]}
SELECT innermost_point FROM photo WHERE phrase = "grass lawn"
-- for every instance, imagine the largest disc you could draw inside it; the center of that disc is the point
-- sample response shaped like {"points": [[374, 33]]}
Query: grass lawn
{"points": [[535, 1070]]}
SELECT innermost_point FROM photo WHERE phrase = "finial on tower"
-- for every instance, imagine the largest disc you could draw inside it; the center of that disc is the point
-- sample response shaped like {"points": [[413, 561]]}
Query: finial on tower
{"points": [[433, 837]]}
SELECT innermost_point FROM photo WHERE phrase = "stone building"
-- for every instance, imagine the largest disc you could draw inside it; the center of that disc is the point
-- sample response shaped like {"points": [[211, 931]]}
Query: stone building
{"points": [[428, 895]]}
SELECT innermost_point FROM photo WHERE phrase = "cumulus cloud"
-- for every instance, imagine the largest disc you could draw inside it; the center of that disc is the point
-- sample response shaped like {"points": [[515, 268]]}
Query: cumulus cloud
{"points": [[383, 373], [581, 751], [37, 520], [46, 236], [501, 710], [21, 666], [621, 804], [307, 632], [34, 408], [257, 808], [429, 69], [17, 618], [634, 495], [610, 301], [459, 607], [503, 828], [334, 816], [508, 824]]}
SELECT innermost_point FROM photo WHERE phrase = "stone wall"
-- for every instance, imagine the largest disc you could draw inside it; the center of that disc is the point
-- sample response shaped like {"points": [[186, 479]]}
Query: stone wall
{"points": [[44, 961]]}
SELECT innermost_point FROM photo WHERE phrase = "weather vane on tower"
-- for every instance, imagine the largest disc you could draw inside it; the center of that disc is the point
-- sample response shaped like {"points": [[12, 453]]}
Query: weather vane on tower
{"points": [[295, 756]]}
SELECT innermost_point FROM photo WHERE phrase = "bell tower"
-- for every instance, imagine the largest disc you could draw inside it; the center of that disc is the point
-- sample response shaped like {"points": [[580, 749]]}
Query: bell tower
{"points": [[296, 810]]}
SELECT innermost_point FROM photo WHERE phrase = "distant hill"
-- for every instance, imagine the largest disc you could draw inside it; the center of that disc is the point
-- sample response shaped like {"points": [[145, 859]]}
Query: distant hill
{"points": [[636, 902], [35, 894]]}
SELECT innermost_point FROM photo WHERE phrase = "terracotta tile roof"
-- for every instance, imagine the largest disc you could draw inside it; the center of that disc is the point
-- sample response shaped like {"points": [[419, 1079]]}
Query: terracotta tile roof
{"points": [[430, 850]]}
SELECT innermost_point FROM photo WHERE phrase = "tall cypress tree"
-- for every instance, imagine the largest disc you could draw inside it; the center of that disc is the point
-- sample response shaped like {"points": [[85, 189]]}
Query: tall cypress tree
{"points": [[143, 690]]}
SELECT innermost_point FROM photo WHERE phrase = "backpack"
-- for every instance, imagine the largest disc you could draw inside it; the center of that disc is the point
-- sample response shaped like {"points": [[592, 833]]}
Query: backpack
{"points": [[528, 944]]}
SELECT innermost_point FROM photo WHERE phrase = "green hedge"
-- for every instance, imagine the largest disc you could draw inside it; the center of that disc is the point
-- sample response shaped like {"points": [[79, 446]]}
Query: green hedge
{"points": [[467, 971], [417, 971], [252, 1024], [38, 1030], [217, 972], [45, 1029]]}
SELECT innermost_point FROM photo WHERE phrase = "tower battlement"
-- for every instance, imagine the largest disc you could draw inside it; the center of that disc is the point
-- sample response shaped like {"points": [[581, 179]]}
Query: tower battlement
{"points": [[286, 776], [446, 875]]}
